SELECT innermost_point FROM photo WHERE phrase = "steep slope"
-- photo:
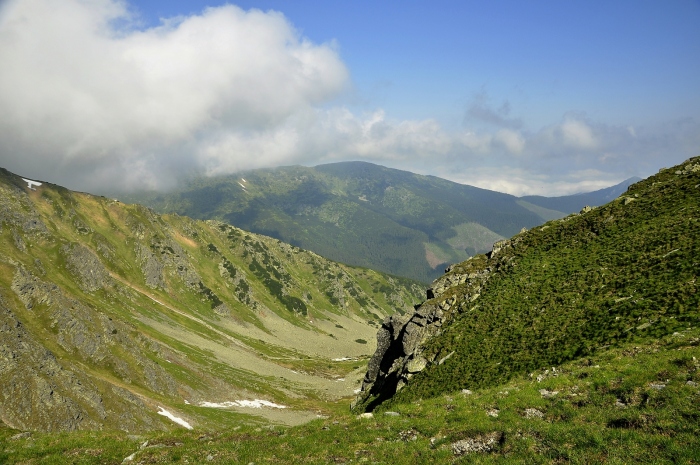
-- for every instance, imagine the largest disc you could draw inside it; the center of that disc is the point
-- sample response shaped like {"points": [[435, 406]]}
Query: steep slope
{"points": [[111, 315], [623, 272], [359, 213]]}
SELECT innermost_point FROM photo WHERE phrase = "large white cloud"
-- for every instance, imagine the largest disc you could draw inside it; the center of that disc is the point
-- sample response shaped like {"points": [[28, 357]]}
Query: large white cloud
{"points": [[76, 90], [91, 100]]}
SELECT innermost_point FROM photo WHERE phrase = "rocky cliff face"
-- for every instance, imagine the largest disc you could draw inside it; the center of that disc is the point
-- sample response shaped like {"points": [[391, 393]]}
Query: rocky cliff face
{"points": [[400, 352], [401, 340]]}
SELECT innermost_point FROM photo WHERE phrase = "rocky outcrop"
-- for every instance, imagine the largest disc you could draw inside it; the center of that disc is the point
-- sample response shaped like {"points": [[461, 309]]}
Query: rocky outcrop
{"points": [[38, 391], [90, 335], [151, 267], [89, 271], [401, 341], [18, 212]]}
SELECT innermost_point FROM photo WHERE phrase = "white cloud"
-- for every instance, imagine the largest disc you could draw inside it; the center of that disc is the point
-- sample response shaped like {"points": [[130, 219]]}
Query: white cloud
{"points": [[577, 134], [94, 106], [513, 141], [74, 89]]}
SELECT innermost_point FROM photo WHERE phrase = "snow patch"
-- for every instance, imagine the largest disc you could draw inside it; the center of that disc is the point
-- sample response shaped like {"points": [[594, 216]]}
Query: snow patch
{"points": [[31, 184], [241, 185], [343, 359], [257, 403], [243, 179], [177, 420]]}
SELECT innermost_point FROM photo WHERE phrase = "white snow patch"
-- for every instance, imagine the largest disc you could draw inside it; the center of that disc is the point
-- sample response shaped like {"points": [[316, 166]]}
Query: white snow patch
{"points": [[187, 402], [342, 359], [241, 185], [257, 403], [31, 184], [340, 379], [242, 179], [177, 420], [357, 391]]}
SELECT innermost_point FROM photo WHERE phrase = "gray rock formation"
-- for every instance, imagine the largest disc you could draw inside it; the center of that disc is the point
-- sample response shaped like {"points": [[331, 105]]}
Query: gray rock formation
{"points": [[400, 341], [88, 270], [479, 444], [38, 391], [92, 336]]}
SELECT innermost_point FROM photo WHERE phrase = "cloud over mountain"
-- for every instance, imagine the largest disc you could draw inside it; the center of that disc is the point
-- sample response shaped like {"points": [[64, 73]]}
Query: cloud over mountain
{"points": [[93, 99]]}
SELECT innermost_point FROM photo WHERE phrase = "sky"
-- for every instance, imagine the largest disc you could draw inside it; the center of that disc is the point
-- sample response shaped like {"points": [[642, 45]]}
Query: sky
{"points": [[542, 97]]}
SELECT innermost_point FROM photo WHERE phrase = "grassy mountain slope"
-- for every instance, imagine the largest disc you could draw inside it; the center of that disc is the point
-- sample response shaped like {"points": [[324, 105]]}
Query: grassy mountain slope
{"points": [[624, 272], [110, 312], [358, 213]]}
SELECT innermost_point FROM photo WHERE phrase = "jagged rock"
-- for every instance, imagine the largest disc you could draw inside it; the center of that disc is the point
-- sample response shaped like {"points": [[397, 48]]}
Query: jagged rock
{"points": [[399, 353], [17, 211], [532, 413], [222, 310], [547, 394], [84, 265], [151, 267], [416, 365], [90, 335], [19, 242]]}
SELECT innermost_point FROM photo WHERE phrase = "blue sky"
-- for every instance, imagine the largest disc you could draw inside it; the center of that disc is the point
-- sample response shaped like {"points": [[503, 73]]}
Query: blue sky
{"points": [[537, 97]]}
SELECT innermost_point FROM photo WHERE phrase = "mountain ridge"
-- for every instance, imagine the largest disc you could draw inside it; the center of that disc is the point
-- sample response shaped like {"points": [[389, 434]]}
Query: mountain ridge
{"points": [[361, 213]]}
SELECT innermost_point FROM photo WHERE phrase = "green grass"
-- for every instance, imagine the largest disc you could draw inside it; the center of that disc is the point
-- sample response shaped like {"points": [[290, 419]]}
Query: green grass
{"points": [[623, 272], [633, 404]]}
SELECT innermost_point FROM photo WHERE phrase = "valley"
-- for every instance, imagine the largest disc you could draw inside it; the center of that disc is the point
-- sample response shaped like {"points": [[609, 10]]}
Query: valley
{"points": [[143, 311], [576, 340]]}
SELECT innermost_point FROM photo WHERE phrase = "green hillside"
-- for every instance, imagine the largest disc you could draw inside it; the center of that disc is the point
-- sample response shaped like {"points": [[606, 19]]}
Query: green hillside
{"points": [[625, 272], [574, 342], [110, 312], [359, 213]]}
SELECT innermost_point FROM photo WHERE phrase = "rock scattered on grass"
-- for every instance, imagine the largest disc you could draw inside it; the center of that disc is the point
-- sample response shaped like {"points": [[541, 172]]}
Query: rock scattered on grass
{"points": [[533, 413], [484, 443]]}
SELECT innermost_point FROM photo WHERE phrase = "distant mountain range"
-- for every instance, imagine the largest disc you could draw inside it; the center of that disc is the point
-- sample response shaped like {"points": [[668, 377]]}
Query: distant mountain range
{"points": [[368, 215]]}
